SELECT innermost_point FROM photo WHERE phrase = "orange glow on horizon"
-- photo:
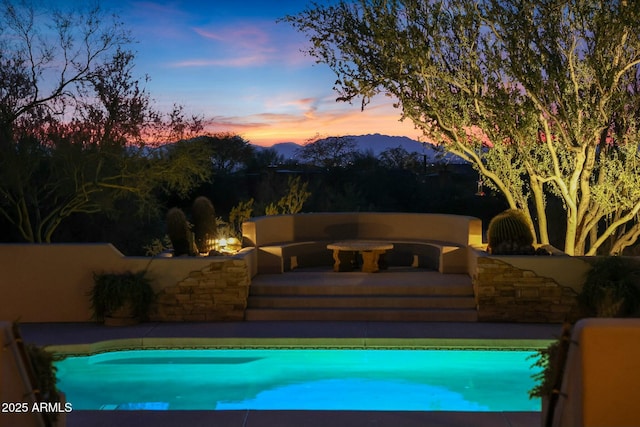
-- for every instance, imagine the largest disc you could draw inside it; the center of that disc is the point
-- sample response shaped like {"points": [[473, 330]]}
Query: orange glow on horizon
{"points": [[294, 129]]}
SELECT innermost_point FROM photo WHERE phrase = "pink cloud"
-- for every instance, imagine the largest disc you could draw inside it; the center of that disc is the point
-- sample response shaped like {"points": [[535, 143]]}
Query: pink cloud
{"points": [[248, 44], [209, 34], [243, 61], [246, 37], [161, 22]]}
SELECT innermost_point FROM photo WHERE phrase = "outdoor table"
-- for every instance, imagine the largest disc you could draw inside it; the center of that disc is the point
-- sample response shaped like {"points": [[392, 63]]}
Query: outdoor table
{"points": [[370, 250]]}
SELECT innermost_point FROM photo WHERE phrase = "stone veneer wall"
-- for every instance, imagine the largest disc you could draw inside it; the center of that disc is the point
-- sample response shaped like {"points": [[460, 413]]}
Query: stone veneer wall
{"points": [[505, 293], [217, 292]]}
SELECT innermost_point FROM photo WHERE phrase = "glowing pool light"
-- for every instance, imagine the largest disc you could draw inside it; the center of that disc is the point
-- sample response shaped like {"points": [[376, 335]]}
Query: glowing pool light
{"points": [[390, 380]]}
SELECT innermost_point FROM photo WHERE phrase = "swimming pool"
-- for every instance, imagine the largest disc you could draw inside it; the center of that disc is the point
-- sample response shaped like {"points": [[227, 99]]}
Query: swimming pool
{"points": [[300, 379]]}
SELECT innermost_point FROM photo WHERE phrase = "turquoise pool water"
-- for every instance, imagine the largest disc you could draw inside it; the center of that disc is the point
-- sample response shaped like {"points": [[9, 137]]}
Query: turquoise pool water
{"points": [[385, 380]]}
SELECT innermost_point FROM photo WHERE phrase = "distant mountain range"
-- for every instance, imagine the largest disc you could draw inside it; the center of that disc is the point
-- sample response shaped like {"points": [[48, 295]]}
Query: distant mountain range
{"points": [[376, 144]]}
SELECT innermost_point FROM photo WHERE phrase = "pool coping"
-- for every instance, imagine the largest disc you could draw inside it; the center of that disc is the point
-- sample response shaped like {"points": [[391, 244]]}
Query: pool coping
{"points": [[297, 343]]}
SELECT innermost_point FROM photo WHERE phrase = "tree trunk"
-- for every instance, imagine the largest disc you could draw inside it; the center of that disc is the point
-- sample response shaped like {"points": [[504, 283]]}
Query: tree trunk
{"points": [[538, 196], [570, 235]]}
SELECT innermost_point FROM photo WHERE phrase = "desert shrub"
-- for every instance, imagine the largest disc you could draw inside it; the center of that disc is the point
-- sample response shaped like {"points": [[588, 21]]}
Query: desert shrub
{"points": [[611, 287]]}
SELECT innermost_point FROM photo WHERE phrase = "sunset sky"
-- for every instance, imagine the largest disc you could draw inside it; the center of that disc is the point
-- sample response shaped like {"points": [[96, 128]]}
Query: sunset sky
{"points": [[232, 63]]}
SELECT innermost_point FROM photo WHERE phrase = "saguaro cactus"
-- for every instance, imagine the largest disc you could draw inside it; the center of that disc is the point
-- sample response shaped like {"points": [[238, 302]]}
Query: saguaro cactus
{"points": [[179, 232], [509, 234], [204, 224]]}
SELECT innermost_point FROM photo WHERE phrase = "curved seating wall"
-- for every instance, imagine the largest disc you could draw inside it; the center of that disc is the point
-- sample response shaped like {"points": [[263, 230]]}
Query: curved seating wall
{"points": [[283, 241]]}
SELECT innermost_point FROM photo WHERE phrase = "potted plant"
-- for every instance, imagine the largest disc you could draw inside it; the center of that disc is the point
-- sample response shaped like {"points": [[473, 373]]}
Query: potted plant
{"points": [[121, 299], [610, 288]]}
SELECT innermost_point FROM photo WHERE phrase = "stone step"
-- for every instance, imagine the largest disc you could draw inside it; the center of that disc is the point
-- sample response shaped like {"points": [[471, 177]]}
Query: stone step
{"points": [[394, 295], [362, 314], [425, 289], [362, 301]]}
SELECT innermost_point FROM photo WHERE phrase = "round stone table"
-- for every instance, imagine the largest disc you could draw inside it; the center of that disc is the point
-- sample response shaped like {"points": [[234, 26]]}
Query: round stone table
{"points": [[370, 250]]}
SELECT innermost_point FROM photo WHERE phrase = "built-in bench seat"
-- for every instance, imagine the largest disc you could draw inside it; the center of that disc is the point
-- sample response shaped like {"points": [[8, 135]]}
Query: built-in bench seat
{"points": [[434, 241], [445, 257], [281, 257]]}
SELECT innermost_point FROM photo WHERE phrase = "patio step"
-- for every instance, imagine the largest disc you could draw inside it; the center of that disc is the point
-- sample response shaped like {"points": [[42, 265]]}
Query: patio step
{"points": [[362, 301], [356, 314], [391, 296], [362, 289]]}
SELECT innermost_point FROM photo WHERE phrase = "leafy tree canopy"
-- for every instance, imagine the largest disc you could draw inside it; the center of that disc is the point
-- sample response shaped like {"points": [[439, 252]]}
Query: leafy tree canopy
{"points": [[229, 152], [335, 151], [78, 131], [541, 96], [399, 158]]}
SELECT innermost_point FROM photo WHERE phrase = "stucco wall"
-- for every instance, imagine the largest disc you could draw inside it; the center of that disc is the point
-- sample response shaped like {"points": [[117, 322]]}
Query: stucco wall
{"points": [[50, 282], [601, 383], [463, 230]]}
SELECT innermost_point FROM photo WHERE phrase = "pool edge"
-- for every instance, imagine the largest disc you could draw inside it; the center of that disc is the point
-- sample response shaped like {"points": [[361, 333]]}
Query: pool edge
{"points": [[291, 343]]}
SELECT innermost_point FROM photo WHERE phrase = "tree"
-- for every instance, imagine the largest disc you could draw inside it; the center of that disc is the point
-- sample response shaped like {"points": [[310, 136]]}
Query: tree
{"points": [[335, 151], [399, 158], [75, 123], [265, 158], [541, 96], [228, 152], [46, 58]]}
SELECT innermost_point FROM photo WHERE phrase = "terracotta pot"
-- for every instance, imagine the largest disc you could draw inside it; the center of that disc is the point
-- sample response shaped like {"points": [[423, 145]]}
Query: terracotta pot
{"points": [[123, 316]]}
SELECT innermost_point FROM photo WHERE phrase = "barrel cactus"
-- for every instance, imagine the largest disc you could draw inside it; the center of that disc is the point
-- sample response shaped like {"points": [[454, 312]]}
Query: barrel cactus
{"points": [[204, 224], [509, 234], [179, 232]]}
